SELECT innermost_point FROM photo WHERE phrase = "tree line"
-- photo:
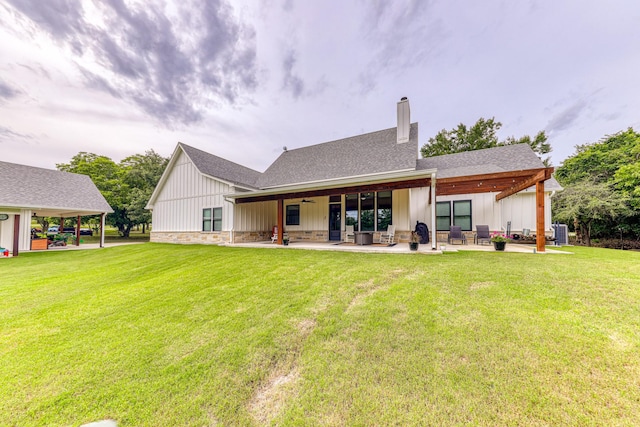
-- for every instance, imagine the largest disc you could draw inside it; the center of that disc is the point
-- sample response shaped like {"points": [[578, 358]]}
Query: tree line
{"points": [[601, 196]]}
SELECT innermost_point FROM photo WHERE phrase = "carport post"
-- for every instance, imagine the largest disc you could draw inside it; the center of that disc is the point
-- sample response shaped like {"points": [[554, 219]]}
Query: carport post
{"points": [[102, 230], [16, 234], [78, 232]]}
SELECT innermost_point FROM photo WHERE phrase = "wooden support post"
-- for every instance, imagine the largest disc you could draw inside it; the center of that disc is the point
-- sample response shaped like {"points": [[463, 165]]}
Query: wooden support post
{"points": [[280, 221], [78, 232], [102, 230], [432, 203], [16, 234], [540, 236]]}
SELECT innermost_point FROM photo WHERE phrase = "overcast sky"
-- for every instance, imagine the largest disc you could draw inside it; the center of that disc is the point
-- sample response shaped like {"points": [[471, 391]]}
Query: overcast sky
{"points": [[243, 78]]}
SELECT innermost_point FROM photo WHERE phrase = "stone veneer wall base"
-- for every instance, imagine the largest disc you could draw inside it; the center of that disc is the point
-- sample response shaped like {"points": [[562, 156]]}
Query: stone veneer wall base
{"points": [[191, 237]]}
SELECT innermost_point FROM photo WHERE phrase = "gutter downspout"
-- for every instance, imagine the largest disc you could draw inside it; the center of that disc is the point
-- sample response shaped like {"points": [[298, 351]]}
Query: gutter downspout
{"points": [[434, 239]]}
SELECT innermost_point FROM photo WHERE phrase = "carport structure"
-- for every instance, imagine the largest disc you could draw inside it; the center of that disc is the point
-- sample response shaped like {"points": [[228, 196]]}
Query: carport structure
{"points": [[27, 191]]}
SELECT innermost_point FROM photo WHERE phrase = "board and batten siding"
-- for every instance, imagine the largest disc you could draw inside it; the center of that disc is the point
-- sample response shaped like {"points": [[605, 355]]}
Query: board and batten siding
{"points": [[7, 227], [400, 210], [313, 216], [184, 195], [520, 209], [259, 216]]}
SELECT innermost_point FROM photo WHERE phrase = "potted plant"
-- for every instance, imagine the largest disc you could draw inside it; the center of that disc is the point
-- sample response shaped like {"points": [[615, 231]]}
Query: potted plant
{"points": [[414, 241], [499, 241], [285, 241]]}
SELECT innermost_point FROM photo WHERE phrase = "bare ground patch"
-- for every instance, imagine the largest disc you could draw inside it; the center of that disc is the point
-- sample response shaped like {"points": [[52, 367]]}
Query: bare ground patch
{"points": [[306, 326], [369, 287], [270, 398], [480, 285], [280, 387]]}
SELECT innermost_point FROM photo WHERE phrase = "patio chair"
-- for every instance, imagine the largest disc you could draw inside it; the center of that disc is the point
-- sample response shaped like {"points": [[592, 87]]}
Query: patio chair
{"points": [[455, 233], [482, 235], [274, 234], [387, 237], [349, 235]]}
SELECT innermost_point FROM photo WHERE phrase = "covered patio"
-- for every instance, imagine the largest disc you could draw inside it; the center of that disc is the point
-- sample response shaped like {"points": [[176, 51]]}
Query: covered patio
{"points": [[504, 184]]}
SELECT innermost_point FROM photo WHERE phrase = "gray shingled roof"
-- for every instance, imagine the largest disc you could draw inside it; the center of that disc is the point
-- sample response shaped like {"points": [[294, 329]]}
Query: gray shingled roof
{"points": [[371, 153], [489, 160], [37, 188], [218, 167]]}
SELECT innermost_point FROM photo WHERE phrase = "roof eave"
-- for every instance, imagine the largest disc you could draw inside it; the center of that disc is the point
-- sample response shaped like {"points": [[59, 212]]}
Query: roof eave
{"points": [[70, 210], [336, 183]]}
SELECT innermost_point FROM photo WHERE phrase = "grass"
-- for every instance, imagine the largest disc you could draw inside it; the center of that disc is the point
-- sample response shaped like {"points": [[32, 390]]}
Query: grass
{"points": [[164, 335], [111, 235]]}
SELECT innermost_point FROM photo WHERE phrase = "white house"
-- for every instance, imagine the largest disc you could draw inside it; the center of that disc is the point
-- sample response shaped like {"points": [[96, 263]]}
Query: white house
{"points": [[27, 191], [368, 181]]}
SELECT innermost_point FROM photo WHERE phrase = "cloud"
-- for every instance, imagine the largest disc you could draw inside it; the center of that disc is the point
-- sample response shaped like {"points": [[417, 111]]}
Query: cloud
{"points": [[566, 118], [171, 64], [8, 92], [7, 135], [401, 36], [60, 18], [291, 82], [287, 5]]}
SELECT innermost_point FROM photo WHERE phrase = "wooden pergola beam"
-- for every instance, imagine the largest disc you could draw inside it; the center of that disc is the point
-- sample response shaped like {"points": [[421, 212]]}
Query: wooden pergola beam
{"points": [[483, 183], [364, 188], [542, 175]]}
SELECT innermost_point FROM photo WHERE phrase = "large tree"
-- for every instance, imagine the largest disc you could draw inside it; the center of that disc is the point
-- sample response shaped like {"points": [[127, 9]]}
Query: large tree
{"points": [[586, 202], [141, 174], [126, 186], [483, 134], [598, 180]]}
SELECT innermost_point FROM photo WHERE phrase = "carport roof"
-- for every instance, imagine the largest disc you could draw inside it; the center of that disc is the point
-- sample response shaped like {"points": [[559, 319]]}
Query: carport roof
{"points": [[49, 192]]}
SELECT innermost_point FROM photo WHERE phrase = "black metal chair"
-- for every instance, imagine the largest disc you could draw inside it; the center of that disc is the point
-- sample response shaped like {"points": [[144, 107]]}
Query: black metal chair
{"points": [[455, 233], [482, 235]]}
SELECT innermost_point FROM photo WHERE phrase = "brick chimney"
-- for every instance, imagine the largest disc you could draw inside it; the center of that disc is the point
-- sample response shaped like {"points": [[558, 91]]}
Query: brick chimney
{"points": [[404, 120]]}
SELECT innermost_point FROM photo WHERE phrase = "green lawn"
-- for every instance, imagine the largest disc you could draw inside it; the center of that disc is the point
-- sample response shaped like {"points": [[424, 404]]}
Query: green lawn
{"points": [[164, 335]]}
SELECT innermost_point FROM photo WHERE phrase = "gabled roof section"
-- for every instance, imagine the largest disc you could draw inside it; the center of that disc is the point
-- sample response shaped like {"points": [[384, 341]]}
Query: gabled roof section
{"points": [[31, 187], [368, 154], [217, 167], [489, 160]]}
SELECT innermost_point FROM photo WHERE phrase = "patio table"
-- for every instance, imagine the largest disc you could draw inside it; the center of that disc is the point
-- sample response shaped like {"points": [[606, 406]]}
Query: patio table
{"points": [[363, 237]]}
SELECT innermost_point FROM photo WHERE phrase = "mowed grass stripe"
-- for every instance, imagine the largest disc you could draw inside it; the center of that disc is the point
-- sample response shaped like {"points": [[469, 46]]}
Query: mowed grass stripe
{"points": [[156, 334]]}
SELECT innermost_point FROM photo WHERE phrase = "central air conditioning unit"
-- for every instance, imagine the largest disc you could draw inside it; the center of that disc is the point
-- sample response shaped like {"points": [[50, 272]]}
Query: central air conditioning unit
{"points": [[561, 234]]}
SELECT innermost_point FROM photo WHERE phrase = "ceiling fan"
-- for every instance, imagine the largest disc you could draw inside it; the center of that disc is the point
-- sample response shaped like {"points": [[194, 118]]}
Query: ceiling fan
{"points": [[307, 201]]}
